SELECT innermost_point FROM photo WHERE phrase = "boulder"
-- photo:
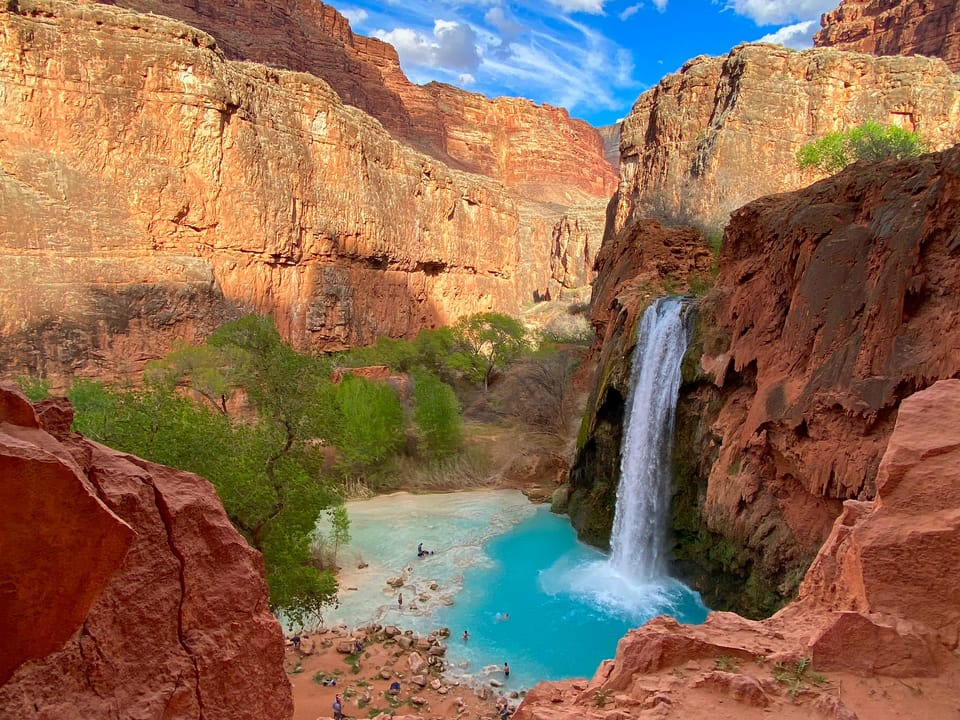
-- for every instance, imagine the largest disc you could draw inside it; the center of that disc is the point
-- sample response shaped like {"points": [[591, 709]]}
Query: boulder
{"points": [[159, 601]]}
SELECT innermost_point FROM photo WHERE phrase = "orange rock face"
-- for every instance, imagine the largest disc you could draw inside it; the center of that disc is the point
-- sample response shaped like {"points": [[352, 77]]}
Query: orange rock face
{"points": [[873, 635], [724, 131], [537, 150], [894, 27], [125, 590], [152, 189], [834, 304]]}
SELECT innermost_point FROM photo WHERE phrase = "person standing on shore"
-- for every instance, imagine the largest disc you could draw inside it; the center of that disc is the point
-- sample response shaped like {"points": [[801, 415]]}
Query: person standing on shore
{"points": [[400, 601], [506, 670]]}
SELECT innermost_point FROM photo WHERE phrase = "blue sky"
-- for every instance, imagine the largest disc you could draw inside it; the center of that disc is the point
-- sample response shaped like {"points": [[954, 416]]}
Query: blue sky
{"points": [[593, 57]]}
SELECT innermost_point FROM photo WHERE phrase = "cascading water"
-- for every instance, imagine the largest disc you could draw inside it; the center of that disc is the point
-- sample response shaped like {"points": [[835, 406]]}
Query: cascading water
{"points": [[643, 496]]}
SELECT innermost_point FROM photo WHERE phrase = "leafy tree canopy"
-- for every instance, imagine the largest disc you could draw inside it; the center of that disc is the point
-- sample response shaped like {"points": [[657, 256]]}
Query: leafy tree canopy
{"points": [[486, 343], [436, 412], [870, 141]]}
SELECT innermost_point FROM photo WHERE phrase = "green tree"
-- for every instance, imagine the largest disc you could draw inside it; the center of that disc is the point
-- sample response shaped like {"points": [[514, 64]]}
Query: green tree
{"points": [[267, 470], [436, 412], [34, 388], [869, 141], [369, 422], [484, 344]]}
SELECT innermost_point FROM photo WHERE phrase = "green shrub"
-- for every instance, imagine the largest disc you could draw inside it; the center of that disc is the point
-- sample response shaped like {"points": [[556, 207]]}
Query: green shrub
{"points": [[870, 141], [436, 412]]}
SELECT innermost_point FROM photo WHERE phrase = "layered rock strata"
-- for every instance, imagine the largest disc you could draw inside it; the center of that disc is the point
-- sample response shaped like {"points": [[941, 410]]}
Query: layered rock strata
{"points": [[874, 633], [832, 304], [126, 592], [894, 27], [151, 189], [725, 130], [538, 151]]}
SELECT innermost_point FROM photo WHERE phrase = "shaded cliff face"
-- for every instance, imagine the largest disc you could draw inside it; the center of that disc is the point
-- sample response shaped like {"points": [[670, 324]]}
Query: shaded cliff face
{"points": [[877, 615], [151, 190], [832, 305], [634, 267], [724, 131], [126, 590], [894, 27], [537, 150]]}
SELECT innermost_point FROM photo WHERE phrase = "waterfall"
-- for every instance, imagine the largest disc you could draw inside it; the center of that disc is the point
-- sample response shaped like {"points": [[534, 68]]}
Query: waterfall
{"points": [[643, 496]]}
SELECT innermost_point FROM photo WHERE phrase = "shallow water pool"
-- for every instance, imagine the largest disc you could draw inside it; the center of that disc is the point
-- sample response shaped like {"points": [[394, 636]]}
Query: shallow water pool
{"points": [[510, 573]]}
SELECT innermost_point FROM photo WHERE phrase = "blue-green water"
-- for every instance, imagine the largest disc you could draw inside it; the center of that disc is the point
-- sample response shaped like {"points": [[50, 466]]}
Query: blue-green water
{"points": [[567, 610], [497, 555]]}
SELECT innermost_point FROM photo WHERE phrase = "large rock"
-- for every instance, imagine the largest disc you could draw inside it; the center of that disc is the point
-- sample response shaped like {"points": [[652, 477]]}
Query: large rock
{"points": [[43, 603], [175, 626], [873, 635], [725, 130], [151, 189], [894, 27], [831, 306]]}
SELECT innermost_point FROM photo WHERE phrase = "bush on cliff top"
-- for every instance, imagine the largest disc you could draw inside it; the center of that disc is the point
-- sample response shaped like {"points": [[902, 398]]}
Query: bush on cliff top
{"points": [[870, 141]]}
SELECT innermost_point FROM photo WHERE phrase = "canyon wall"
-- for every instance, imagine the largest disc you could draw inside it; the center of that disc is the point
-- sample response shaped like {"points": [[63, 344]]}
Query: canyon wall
{"points": [[894, 27], [538, 151], [724, 131], [152, 189], [124, 589], [874, 634], [832, 305]]}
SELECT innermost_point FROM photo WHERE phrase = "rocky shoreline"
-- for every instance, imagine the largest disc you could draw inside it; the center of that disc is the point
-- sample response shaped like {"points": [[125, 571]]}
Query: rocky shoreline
{"points": [[361, 664]]}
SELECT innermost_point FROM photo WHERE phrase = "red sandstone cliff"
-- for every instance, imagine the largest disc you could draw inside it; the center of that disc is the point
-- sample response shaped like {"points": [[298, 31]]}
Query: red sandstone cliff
{"points": [[537, 150], [152, 189], [832, 305], [126, 592], [724, 131], [877, 617], [894, 27]]}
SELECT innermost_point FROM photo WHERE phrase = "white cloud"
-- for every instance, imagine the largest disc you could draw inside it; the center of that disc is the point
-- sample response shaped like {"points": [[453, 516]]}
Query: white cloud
{"points": [[508, 30], [453, 46], [778, 12], [356, 16], [629, 12], [466, 79], [798, 36], [593, 7], [661, 5]]}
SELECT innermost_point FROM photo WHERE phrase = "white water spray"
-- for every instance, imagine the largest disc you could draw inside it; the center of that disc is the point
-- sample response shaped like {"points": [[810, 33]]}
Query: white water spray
{"points": [[643, 495]]}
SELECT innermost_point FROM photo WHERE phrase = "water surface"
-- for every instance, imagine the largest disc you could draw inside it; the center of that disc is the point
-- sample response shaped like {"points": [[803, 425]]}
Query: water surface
{"points": [[510, 573]]}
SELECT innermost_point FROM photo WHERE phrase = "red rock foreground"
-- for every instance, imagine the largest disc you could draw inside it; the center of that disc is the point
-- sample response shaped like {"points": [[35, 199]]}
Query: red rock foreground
{"points": [[873, 635], [176, 626]]}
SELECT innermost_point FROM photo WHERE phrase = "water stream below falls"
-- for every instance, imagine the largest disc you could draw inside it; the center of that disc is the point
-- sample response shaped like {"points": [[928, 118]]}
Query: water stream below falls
{"points": [[514, 575]]}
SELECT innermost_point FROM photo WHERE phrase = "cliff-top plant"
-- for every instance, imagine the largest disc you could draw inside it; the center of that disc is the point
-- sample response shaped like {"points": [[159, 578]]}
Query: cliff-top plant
{"points": [[870, 141]]}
